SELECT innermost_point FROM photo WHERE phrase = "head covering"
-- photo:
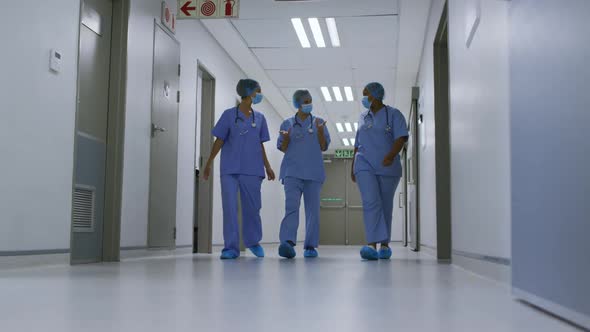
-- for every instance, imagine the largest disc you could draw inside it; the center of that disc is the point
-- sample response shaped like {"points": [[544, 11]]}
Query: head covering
{"points": [[376, 90], [299, 97], [246, 87]]}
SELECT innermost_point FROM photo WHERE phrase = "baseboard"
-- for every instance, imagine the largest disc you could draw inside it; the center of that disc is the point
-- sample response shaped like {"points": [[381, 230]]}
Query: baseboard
{"points": [[571, 316], [34, 252], [494, 268]]}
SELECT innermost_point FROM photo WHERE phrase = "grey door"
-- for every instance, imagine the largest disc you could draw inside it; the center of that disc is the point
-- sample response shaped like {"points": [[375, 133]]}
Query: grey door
{"points": [[333, 204], [91, 131], [164, 142]]}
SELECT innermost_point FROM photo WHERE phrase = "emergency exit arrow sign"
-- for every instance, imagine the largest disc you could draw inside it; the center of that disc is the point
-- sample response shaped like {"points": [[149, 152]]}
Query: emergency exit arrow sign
{"points": [[187, 8]]}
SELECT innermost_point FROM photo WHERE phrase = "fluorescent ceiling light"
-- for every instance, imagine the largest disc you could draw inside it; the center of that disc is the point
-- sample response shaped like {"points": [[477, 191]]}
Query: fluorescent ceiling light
{"points": [[333, 31], [348, 127], [337, 93], [314, 23], [298, 26], [356, 126], [326, 93], [339, 127], [346, 142], [348, 92], [352, 141]]}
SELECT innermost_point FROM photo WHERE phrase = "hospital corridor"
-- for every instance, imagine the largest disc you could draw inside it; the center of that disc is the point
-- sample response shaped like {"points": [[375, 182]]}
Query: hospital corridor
{"points": [[294, 165]]}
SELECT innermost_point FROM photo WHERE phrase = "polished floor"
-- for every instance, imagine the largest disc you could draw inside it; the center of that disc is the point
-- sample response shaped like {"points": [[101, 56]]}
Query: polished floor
{"points": [[336, 292]]}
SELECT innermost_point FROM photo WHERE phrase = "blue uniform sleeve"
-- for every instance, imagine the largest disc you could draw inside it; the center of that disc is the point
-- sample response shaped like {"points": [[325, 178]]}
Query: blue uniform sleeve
{"points": [[264, 135], [222, 127], [284, 127], [400, 127]]}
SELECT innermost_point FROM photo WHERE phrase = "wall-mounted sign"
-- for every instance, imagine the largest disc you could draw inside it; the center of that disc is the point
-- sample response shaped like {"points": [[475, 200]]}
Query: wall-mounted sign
{"points": [[200, 9], [344, 154], [168, 18]]}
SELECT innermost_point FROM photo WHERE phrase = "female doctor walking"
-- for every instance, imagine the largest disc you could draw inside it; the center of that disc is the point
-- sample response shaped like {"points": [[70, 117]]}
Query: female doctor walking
{"points": [[303, 139], [377, 168], [241, 132]]}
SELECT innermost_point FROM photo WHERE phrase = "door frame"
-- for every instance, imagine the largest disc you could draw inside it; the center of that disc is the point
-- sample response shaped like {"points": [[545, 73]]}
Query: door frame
{"points": [[205, 193], [111, 239], [442, 138]]}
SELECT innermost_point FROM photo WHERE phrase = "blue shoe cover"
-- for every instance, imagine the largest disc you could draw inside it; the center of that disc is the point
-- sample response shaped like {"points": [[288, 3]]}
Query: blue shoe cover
{"points": [[286, 250], [370, 254], [385, 253], [310, 253], [257, 250], [229, 254]]}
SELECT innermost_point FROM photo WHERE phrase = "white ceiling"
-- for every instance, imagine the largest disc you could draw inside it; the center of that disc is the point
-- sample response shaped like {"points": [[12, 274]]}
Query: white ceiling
{"points": [[370, 37]]}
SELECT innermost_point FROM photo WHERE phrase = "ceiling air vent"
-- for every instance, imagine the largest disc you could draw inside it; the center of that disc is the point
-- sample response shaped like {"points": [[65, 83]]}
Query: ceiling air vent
{"points": [[83, 209]]}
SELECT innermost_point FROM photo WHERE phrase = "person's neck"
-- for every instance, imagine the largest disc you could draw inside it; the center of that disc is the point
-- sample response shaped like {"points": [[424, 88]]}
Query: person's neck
{"points": [[245, 107], [303, 116], [377, 106]]}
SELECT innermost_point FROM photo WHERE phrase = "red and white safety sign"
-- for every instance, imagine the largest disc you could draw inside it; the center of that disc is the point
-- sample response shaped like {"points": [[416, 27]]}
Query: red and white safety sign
{"points": [[168, 17], [201, 9]]}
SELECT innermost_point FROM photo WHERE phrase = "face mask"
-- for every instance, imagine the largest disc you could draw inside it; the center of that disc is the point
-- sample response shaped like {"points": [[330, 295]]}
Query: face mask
{"points": [[366, 102], [257, 99], [306, 108]]}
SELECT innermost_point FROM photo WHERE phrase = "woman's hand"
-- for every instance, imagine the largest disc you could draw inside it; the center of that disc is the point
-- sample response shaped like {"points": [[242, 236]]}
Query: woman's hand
{"points": [[270, 174], [320, 125], [353, 177], [207, 172]]}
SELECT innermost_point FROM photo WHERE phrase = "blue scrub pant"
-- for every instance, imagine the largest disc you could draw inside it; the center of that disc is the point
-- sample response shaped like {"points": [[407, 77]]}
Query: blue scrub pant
{"points": [[377, 193], [294, 187], [250, 195]]}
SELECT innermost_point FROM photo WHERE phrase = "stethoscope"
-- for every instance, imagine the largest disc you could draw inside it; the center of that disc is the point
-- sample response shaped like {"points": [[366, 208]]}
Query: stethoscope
{"points": [[238, 118], [310, 129], [369, 114]]}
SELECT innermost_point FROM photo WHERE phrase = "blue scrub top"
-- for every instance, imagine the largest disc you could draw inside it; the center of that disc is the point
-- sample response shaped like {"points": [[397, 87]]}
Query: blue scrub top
{"points": [[242, 144], [303, 158], [374, 141]]}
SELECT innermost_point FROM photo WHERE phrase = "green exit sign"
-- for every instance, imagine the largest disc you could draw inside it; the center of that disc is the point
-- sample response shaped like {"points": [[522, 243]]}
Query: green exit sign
{"points": [[345, 154]]}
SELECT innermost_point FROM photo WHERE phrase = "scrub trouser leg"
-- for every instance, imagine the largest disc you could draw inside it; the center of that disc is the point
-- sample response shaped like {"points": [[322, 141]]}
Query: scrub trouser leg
{"points": [[229, 199], [251, 197], [293, 191], [311, 197], [377, 193], [388, 186]]}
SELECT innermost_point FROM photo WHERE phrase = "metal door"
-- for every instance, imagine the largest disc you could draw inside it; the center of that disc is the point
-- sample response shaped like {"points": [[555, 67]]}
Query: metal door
{"points": [[333, 204], [91, 131], [164, 142], [412, 154], [355, 229]]}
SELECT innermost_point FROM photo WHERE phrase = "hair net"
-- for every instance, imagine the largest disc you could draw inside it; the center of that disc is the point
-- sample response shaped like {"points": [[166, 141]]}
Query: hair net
{"points": [[376, 90], [246, 87], [299, 97]]}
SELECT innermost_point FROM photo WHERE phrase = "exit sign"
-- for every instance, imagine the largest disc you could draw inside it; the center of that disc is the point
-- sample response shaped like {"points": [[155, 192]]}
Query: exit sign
{"points": [[344, 154]]}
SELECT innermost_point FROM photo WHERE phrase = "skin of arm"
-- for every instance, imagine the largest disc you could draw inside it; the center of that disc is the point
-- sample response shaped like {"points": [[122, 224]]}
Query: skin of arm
{"points": [[398, 145], [214, 151], [269, 172]]}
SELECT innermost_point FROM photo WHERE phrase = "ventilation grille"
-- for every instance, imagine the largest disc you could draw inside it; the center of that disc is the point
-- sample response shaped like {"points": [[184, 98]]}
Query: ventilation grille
{"points": [[83, 210]]}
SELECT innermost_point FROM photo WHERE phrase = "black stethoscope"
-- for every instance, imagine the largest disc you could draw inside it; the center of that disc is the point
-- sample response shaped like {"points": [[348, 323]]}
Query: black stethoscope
{"points": [[369, 126], [238, 118], [310, 129]]}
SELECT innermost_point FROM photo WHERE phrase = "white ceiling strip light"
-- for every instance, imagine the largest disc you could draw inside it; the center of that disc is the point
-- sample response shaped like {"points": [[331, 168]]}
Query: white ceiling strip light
{"points": [[339, 127], [333, 31], [314, 23], [356, 126], [337, 93], [298, 26], [348, 92], [348, 127], [352, 141], [345, 142], [326, 93]]}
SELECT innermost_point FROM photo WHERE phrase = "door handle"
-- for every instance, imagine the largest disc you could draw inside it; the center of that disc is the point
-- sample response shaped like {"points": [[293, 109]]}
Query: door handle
{"points": [[332, 207], [355, 206], [155, 129]]}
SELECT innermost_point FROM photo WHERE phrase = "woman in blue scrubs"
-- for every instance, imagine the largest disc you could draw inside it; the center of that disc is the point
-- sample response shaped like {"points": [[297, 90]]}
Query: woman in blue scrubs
{"points": [[240, 134], [377, 168], [303, 139]]}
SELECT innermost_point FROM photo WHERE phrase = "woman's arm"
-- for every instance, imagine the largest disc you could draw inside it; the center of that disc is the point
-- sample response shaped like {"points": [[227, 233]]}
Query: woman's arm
{"points": [[216, 148], [269, 172]]}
